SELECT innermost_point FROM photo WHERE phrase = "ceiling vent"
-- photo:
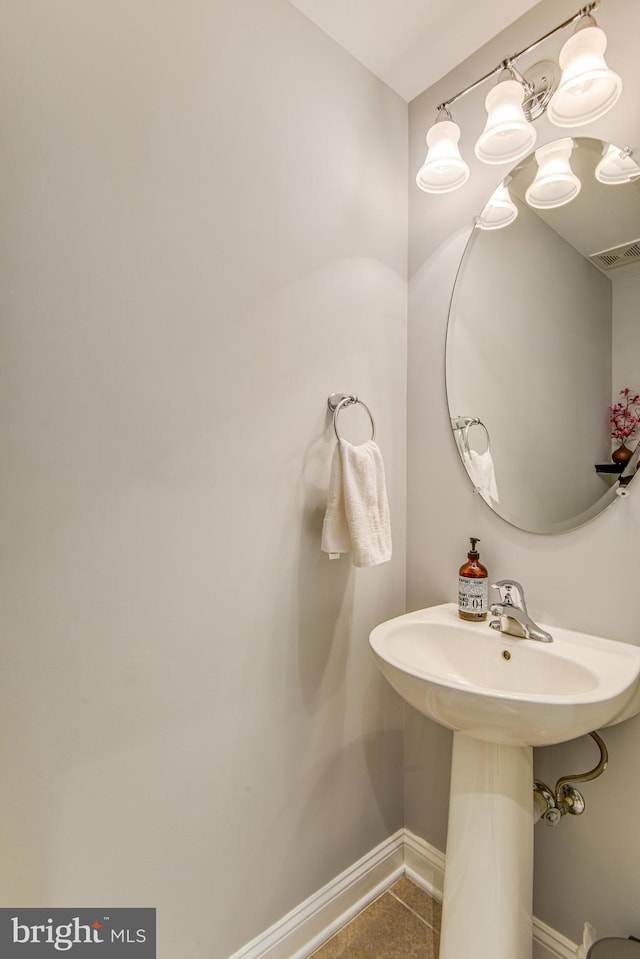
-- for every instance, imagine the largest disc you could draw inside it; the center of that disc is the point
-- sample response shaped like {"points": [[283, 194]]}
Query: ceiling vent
{"points": [[617, 256]]}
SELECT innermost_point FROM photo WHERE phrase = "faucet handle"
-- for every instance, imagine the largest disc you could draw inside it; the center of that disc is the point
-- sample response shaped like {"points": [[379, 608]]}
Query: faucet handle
{"points": [[511, 593]]}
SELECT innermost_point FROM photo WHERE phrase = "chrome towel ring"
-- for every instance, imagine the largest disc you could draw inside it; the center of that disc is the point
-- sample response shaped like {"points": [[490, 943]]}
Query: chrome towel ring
{"points": [[463, 424], [338, 401], [476, 422]]}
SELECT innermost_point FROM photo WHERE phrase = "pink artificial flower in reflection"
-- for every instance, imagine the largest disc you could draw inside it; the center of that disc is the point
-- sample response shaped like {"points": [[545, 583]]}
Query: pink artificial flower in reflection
{"points": [[625, 416]]}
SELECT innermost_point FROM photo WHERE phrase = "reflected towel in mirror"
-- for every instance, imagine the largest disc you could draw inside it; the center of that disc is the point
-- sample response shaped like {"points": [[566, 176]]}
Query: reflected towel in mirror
{"points": [[482, 472]]}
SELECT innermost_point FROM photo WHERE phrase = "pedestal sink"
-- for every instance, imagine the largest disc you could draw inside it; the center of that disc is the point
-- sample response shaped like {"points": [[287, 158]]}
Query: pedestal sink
{"points": [[501, 696]]}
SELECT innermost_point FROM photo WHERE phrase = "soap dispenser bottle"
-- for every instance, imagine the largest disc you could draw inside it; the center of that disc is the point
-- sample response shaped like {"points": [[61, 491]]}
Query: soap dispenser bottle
{"points": [[473, 587]]}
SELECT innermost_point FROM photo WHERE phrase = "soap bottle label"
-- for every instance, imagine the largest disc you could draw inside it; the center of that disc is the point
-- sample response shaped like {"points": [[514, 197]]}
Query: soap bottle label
{"points": [[473, 595]]}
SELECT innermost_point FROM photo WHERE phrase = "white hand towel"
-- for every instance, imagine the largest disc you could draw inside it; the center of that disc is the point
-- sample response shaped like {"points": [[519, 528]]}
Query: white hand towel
{"points": [[357, 516], [482, 472], [335, 529]]}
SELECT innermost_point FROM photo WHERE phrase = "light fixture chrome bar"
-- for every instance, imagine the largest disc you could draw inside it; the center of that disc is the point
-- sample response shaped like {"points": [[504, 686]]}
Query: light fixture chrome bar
{"points": [[472, 86], [506, 64]]}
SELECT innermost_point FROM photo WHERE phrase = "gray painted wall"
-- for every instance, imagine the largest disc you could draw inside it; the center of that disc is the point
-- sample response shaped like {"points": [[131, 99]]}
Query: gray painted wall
{"points": [[203, 235], [586, 868], [626, 328]]}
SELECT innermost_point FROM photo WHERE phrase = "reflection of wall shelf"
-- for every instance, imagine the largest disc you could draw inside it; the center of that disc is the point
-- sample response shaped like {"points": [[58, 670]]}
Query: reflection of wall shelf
{"points": [[610, 467]]}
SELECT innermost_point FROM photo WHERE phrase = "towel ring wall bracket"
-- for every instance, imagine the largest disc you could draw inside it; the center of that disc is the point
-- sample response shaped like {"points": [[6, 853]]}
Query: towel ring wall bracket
{"points": [[338, 401], [463, 424]]}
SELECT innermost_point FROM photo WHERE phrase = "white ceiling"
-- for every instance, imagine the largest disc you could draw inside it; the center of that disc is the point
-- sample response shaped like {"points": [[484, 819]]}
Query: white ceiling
{"points": [[410, 44]]}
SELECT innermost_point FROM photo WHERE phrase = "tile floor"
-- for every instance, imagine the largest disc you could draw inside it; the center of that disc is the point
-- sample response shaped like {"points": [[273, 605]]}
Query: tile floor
{"points": [[402, 923]]}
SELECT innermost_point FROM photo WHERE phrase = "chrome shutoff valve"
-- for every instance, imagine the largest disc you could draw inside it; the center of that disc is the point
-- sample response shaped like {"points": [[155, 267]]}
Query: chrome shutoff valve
{"points": [[544, 804], [551, 805]]}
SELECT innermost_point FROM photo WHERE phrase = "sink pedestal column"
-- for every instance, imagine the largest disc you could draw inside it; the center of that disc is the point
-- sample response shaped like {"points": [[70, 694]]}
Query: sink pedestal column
{"points": [[488, 883]]}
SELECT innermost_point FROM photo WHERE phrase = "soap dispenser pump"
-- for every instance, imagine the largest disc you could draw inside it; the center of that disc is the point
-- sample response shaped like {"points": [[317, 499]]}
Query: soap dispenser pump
{"points": [[473, 587]]}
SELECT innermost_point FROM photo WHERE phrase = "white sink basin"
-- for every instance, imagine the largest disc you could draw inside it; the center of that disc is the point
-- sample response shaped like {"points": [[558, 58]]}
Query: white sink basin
{"points": [[501, 689]]}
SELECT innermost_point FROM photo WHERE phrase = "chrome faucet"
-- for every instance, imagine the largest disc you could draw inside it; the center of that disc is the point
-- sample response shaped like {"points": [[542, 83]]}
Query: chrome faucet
{"points": [[512, 610]]}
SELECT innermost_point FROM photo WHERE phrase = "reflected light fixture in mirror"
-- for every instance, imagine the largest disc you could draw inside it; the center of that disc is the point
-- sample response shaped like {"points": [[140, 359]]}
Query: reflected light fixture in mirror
{"points": [[443, 169], [617, 166], [499, 212], [508, 136], [555, 182], [588, 88]]}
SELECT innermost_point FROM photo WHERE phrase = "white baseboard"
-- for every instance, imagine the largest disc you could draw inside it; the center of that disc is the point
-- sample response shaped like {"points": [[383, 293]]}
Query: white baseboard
{"points": [[548, 943], [311, 923], [424, 864]]}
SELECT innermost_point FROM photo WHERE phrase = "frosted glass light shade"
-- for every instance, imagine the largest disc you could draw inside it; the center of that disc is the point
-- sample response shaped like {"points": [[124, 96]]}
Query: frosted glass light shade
{"points": [[444, 169], [617, 166], [587, 88], [555, 182], [499, 212], [508, 136]]}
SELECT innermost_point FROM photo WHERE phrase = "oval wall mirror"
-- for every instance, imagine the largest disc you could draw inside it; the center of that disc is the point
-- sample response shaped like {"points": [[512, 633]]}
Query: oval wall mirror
{"points": [[543, 334]]}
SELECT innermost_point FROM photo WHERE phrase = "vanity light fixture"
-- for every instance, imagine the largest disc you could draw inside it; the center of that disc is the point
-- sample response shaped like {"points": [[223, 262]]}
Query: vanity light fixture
{"points": [[555, 182], [499, 212], [508, 136], [444, 169], [587, 89], [617, 166]]}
